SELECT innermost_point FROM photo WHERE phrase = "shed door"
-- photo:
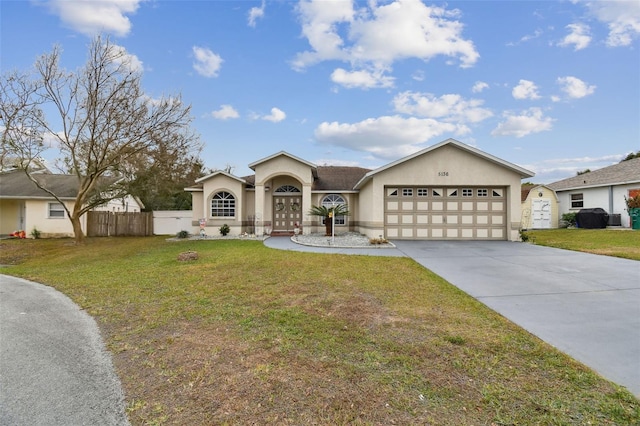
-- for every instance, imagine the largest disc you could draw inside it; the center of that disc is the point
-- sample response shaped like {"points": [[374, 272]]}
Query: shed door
{"points": [[541, 211], [448, 213]]}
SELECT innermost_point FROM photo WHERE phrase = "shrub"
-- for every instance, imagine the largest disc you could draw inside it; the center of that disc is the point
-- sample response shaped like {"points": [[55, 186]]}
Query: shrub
{"points": [[182, 234], [35, 233], [632, 202], [524, 237], [224, 229], [379, 240], [568, 220]]}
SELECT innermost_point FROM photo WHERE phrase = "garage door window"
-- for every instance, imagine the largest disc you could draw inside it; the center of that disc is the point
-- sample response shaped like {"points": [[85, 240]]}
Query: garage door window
{"points": [[436, 192], [407, 192], [496, 192], [423, 192], [452, 192], [483, 192], [392, 192], [467, 192]]}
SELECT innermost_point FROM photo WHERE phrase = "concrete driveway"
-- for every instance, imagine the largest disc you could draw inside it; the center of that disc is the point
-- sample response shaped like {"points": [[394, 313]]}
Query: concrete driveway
{"points": [[54, 369], [586, 305]]}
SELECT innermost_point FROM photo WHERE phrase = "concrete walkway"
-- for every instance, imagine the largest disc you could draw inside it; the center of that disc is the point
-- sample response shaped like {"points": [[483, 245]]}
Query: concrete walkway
{"points": [[54, 369], [586, 305]]}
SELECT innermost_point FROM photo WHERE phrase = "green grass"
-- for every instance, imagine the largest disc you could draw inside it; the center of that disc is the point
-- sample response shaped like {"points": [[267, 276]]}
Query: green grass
{"points": [[611, 242], [251, 335]]}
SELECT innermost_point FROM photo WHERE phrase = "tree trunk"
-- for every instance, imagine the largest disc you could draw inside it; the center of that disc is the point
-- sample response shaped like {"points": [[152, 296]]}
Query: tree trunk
{"points": [[328, 226], [77, 229]]}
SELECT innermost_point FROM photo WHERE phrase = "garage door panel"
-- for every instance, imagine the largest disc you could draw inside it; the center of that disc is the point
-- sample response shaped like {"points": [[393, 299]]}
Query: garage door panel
{"points": [[445, 213]]}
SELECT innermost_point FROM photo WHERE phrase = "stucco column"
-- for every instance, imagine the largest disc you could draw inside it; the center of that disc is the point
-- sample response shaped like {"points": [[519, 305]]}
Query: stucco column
{"points": [[306, 206], [259, 206]]}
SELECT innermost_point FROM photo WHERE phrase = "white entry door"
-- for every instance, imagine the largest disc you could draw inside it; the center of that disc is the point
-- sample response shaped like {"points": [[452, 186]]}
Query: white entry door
{"points": [[541, 212]]}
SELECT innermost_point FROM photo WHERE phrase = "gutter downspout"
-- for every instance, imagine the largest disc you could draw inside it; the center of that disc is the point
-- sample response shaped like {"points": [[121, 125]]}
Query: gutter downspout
{"points": [[610, 199]]}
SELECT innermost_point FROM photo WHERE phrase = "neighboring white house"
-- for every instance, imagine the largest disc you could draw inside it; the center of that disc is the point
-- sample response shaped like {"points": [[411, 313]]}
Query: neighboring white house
{"points": [[605, 188], [446, 191], [24, 206]]}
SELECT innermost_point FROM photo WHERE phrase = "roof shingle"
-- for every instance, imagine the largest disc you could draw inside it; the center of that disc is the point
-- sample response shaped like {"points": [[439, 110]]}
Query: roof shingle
{"points": [[621, 173]]}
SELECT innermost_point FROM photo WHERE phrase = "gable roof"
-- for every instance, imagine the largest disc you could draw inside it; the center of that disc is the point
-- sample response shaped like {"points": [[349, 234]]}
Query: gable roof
{"points": [[622, 173], [16, 184], [220, 172], [524, 173], [253, 165]]}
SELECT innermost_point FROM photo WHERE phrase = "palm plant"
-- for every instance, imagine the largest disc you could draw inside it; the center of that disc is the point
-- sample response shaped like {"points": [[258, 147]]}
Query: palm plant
{"points": [[327, 213]]}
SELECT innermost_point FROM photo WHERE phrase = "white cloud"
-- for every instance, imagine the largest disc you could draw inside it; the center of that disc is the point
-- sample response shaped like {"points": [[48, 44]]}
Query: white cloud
{"points": [[527, 122], [256, 13], [375, 36], [525, 90], [93, 17], [130, 61], [276, 115], [575, 88], [449, 108], [361, 79], [578, 37], [479, 86], [622, 18], [207, 63], [555, 169], [387, 137], [225, 112]]}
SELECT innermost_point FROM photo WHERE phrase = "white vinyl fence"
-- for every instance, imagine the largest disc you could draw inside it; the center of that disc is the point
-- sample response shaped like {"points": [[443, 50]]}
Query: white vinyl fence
{"points": [[170, 222]]}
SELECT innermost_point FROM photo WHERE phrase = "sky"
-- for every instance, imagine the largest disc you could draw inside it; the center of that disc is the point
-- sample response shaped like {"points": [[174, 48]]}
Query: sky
{"points": [[551, 86]]}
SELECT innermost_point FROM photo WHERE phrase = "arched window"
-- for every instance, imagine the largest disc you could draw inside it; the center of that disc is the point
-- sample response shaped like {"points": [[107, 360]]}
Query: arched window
{"points": [[287, 189], [334, 200], [223, 204]]}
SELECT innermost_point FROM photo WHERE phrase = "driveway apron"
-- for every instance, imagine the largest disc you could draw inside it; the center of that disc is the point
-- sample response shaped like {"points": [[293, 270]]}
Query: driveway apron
{"points": [[54, 369], [585, 305]]}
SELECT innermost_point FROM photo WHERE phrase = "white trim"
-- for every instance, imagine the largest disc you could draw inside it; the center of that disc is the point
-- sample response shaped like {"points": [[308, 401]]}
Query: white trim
{"points": [[220, 172], [253, 165]]}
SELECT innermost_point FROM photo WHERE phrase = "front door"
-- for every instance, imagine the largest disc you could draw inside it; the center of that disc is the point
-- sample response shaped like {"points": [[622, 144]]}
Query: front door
{"points": [[541, 211], [286, 212]]}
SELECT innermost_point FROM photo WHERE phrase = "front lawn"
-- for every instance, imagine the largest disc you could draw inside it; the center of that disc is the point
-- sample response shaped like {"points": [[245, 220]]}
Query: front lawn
{"points": [[251, 335], [611, 242]]}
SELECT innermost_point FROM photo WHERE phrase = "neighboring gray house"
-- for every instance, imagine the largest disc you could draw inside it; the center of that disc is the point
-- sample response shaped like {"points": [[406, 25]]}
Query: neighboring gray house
{"points": [[24, 206], [605, 188]]}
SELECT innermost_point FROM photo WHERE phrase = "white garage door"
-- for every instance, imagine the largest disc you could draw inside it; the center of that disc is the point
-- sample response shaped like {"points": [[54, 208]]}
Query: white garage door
{"points": [[451, 213]]}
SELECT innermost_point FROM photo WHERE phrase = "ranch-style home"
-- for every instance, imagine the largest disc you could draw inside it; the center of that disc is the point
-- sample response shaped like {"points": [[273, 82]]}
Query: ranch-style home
{"points": [[605, 188], [24, 206], [447, 191]]}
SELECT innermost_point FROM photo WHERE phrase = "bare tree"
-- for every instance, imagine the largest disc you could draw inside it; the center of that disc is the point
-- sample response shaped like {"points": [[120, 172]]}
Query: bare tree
{"points": [[104, 123]]}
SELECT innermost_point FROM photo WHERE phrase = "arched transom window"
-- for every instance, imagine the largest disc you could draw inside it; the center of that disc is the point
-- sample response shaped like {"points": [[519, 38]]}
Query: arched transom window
{"points": [[334, 200], [287, 189], [223, 204]]}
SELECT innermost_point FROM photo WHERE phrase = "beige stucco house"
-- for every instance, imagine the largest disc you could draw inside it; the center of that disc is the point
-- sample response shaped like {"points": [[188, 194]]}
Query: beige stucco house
{"points": [[24, 206], [446, 191], [540, 207]]}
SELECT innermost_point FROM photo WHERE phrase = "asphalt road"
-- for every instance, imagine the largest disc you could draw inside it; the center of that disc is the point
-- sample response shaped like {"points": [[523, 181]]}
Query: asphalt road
{"points": [[54, 369]]}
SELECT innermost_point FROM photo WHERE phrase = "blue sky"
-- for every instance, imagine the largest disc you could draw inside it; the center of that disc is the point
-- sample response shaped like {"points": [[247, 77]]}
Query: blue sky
{"points": [[550, 86]]}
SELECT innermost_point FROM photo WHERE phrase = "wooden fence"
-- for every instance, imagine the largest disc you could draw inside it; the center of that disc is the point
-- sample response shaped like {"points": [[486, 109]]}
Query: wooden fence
{"points": [[120, 224]]}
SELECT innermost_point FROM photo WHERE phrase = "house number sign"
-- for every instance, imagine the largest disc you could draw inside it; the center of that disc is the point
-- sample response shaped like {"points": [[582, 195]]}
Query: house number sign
{"points": [[443, 173]]}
